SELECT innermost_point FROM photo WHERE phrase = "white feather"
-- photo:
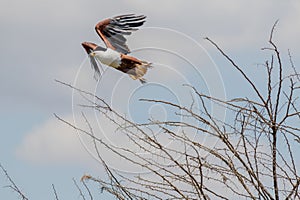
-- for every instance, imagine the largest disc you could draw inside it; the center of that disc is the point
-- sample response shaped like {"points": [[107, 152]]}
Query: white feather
{"points": [[109, 57]]}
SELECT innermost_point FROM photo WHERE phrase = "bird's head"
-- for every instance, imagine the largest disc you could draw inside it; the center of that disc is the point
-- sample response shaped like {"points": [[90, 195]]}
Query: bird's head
{"points": [[89, 47], [98, 49], [93, 54]]}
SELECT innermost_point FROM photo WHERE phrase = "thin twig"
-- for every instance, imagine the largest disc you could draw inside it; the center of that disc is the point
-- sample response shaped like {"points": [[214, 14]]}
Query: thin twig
{"points": [[13, 186], [55, 193]]}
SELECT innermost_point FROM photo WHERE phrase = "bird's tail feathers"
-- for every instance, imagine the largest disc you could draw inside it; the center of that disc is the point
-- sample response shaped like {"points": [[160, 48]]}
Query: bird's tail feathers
{"points": [[139, 71]]}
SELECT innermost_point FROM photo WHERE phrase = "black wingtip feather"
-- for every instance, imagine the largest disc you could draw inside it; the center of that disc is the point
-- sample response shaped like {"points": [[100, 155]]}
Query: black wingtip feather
{"points": [[120, 26], [129, 16]]}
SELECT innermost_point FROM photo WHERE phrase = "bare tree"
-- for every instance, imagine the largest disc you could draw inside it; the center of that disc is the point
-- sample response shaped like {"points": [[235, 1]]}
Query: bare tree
{"points": [[255, 156]]}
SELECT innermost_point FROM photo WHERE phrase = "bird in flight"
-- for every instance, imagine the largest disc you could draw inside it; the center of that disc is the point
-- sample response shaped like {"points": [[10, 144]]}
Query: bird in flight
{"points": [[113, 31]]}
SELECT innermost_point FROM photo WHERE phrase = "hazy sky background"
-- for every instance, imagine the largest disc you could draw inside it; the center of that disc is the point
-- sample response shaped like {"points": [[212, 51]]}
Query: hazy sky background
{"points": [[40, 42]]}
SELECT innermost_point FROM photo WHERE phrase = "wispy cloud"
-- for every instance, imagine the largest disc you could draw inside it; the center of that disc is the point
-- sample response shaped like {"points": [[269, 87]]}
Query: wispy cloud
{"points": [[52, 143]]}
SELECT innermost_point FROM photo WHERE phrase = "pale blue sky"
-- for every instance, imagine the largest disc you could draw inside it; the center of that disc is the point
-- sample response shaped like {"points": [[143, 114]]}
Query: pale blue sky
{"points": [[40, 42]]}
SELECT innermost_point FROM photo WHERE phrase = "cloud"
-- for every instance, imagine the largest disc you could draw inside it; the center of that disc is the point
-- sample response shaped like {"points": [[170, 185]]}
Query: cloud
{"points": [[51, 143], [234, 24], [47, 45], [55, 143]]}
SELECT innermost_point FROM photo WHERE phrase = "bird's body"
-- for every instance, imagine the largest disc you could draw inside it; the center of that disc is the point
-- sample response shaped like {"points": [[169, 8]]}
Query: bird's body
{"points": [[109, 57], [112, 32]]}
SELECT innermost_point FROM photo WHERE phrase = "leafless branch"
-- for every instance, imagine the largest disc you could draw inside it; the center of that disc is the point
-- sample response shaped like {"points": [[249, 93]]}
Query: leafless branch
{"points": [[55, 193], [12, 185]]}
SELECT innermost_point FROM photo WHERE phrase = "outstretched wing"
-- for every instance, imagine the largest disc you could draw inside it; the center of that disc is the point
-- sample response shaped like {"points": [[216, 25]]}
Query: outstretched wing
{"points": [[113, 30], [89, 48]]}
